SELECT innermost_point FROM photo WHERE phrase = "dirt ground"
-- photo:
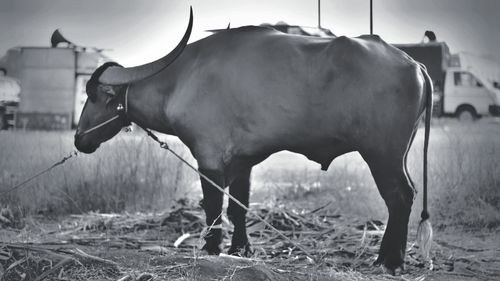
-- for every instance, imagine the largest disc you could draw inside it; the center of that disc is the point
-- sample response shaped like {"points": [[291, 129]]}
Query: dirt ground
{"points": [[165, 247]]}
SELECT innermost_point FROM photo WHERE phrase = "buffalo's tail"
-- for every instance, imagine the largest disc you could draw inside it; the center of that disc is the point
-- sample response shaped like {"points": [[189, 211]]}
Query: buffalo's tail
{"points": [[424, 231]]}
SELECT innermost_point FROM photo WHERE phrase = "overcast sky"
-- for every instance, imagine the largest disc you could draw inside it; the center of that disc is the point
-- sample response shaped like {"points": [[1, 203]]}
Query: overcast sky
{"points": [[138, 31]]}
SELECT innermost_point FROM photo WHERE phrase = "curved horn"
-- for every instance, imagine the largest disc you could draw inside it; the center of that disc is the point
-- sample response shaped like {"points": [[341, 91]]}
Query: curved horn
{"points": [[119, 75]]}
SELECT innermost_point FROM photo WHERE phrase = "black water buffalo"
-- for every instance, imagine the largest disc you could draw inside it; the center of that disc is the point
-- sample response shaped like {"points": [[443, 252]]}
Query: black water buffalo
{"points": [[240, 95]]}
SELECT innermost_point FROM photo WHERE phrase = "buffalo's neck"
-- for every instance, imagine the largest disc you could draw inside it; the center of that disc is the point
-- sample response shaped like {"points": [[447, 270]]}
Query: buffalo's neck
{"points": [[148, 98], [146, 105]]}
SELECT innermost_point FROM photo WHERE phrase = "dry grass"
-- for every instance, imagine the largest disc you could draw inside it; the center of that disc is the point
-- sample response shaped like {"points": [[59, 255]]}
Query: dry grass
{"points": [[464, 178], [131, 173], [115, 246]]}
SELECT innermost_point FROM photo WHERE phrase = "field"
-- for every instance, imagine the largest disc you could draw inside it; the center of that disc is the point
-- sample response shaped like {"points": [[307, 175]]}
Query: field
{"points": [[129, 190]]}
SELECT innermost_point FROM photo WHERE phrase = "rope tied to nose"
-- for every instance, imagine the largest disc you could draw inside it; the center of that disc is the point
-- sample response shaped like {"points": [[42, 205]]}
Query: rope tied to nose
{"points": [[58, 163]]}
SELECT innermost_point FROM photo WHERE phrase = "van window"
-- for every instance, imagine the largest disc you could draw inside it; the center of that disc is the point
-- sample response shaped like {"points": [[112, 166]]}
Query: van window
{"points": [[465, 79]]}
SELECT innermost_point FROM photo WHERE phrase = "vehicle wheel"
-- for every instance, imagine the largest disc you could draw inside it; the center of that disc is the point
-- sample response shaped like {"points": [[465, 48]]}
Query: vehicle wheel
{"points": [[466, 114]]}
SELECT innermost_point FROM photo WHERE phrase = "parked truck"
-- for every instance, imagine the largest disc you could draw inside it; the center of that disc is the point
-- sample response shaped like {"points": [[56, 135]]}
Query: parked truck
{"points": [[468, 96], [459, 91], [9, 99]]}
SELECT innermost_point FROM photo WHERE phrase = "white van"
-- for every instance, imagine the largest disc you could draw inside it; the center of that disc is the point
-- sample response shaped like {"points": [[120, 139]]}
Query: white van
{"points": [[468, 97]]}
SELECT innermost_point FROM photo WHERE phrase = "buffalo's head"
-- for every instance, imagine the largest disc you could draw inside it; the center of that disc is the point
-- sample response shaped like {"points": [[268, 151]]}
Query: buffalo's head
{"points": [[101, 118]]}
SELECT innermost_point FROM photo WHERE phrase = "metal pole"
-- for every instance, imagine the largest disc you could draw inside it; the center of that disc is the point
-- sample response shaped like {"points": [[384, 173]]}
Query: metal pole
{"points": [[371, 17], [319, 13]]}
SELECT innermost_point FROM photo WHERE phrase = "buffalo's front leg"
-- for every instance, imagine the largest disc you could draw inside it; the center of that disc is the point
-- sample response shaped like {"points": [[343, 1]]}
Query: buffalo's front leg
{"points": [[212, 204], [239, 189]]}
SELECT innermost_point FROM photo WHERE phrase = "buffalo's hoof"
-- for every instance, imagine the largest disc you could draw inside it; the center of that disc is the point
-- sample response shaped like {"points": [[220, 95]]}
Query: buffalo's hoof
{"points": [[211, 249], [393, 266], [241, 251]]}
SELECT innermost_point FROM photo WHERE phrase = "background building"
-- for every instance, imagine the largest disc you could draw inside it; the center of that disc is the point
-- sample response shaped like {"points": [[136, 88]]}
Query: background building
{"points": [[52, 81]]}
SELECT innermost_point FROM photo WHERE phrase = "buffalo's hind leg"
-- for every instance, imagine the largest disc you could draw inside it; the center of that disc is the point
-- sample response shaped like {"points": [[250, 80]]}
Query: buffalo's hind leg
{"points": [[239, 189], [398, 193], [212, 204]]}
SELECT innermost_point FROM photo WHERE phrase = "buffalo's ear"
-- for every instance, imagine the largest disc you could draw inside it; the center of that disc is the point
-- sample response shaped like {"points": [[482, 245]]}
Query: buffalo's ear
{"points": [[110, 93], [108, 90], [93, 83]]}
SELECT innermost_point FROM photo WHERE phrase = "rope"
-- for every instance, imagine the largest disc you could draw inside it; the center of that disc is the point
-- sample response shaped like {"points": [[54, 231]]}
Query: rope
{"points": [[164, 145], [72, 154]]}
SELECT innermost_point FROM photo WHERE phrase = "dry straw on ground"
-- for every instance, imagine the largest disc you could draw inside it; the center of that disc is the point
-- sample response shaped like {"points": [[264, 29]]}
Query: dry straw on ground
{"points": [[141, 246]]}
